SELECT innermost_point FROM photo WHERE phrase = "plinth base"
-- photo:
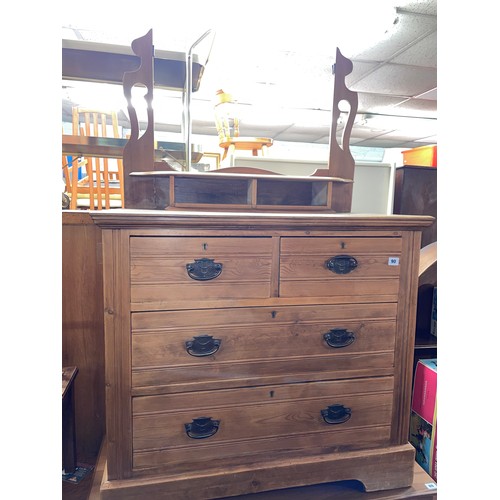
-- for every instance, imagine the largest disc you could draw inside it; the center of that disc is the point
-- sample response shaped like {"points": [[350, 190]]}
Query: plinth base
{"points": [[380, 469]]}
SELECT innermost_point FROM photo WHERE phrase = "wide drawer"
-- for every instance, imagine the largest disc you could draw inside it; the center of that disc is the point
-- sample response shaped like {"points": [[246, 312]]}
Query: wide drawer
{"points": [[171, 268], [176, 351], [336, 266], [238, 426]]}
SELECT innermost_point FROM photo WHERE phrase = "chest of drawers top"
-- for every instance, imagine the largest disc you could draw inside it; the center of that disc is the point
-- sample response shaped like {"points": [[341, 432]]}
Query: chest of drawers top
{"points": [[134, 219]]}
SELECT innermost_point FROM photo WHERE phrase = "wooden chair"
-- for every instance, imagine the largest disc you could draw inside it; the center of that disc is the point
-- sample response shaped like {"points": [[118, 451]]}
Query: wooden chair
{"points": [[71, 168], [101, 185], [253, 144], [227, 123]]}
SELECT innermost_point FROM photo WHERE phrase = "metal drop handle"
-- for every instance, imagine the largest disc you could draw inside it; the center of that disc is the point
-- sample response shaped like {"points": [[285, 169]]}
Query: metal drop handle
{"points": [[204, 269], [202, 345], [336, 414], [202, 427], [339, 337], [341, 264]]}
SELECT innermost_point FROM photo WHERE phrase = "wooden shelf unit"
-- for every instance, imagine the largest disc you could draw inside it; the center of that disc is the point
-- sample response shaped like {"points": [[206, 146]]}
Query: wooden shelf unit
{"points": [[239, 191]]}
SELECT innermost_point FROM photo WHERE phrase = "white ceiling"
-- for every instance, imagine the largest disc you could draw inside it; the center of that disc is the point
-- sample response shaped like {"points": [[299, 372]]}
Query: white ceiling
{"points": [[282, 79]]}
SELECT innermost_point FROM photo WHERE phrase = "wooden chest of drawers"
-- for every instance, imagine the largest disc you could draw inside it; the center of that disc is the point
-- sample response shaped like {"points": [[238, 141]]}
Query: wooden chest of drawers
{"points": [[249, 352]]}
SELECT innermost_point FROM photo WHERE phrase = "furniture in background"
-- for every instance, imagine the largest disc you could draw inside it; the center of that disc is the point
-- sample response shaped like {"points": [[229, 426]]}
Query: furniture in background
{"points": [[415, 192], [83, 326], [68, 420], [250, 352], [253, 144], [227, 123], [72, 169], [213, 160], [425, 341], [101, 185]]}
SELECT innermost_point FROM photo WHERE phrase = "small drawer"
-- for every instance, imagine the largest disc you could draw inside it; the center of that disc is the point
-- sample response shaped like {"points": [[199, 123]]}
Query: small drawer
{"points": [[177, 269], [207, 349], [334, 266], [232, 427]]}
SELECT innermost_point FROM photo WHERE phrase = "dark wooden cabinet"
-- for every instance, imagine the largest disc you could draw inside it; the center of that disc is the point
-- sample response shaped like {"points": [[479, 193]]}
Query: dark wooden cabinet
{"points": [[415, 193]]}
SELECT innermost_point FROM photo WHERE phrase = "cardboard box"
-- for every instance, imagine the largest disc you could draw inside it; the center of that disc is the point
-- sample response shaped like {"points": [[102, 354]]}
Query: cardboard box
{"points": [[424, 156], [434, 313], [423, 420]]}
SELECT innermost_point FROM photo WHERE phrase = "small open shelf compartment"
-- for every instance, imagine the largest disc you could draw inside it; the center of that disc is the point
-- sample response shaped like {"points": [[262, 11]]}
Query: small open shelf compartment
{"points": [[201, 190]]}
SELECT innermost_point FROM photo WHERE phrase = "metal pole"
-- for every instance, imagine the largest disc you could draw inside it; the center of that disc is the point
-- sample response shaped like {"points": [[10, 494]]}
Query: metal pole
{"points": [[187, 100]]}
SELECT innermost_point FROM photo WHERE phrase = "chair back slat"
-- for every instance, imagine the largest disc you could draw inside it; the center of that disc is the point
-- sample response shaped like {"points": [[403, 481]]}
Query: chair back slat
{"points": [[101, 182]]}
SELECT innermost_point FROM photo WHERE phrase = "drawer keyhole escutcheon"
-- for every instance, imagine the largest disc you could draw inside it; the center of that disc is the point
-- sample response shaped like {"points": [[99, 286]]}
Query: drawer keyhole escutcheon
{"points": [[341, 264], [203, 345], [202, 427], [339, 337], [204, 269], [336, 414]]}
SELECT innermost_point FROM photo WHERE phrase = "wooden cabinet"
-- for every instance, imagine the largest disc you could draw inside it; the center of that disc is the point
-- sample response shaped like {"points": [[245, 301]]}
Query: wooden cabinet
{"points": [[250, 352], [415, 193]]}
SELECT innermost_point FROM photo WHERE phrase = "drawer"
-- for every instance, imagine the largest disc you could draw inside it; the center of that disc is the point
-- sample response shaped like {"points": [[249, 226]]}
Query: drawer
{"points": [[331, 266], [198, 268], [205, 349], [236, 426]]}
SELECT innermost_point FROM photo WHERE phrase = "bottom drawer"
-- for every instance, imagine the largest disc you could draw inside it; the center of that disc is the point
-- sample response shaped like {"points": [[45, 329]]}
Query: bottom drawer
{"points": [[237, 426]]}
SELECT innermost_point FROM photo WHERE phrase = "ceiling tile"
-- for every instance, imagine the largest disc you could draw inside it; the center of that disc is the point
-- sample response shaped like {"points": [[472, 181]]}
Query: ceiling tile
{"points": [[422, 53], [416, 107], [407, 31], [428, 7], [398, 79], [376, 103]]}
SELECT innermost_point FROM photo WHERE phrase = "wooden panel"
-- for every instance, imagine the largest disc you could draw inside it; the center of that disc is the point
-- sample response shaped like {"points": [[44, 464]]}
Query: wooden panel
{"points": [[259, 421], [228, 454], [117, 345], [259, 344], [245, 342], [405, 337], [335, 245], [240, 269], [295, 412], [304, 271], [83, 326], [355, 289], [287, 370], [381, 468], [255, 395], [158, 268], [191, 247], [253, 316], [198, 291], [310, 267]]}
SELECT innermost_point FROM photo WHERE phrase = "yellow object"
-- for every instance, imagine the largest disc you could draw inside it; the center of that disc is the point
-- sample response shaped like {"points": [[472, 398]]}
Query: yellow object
{"points": [[226, 121], [228, 129]]}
